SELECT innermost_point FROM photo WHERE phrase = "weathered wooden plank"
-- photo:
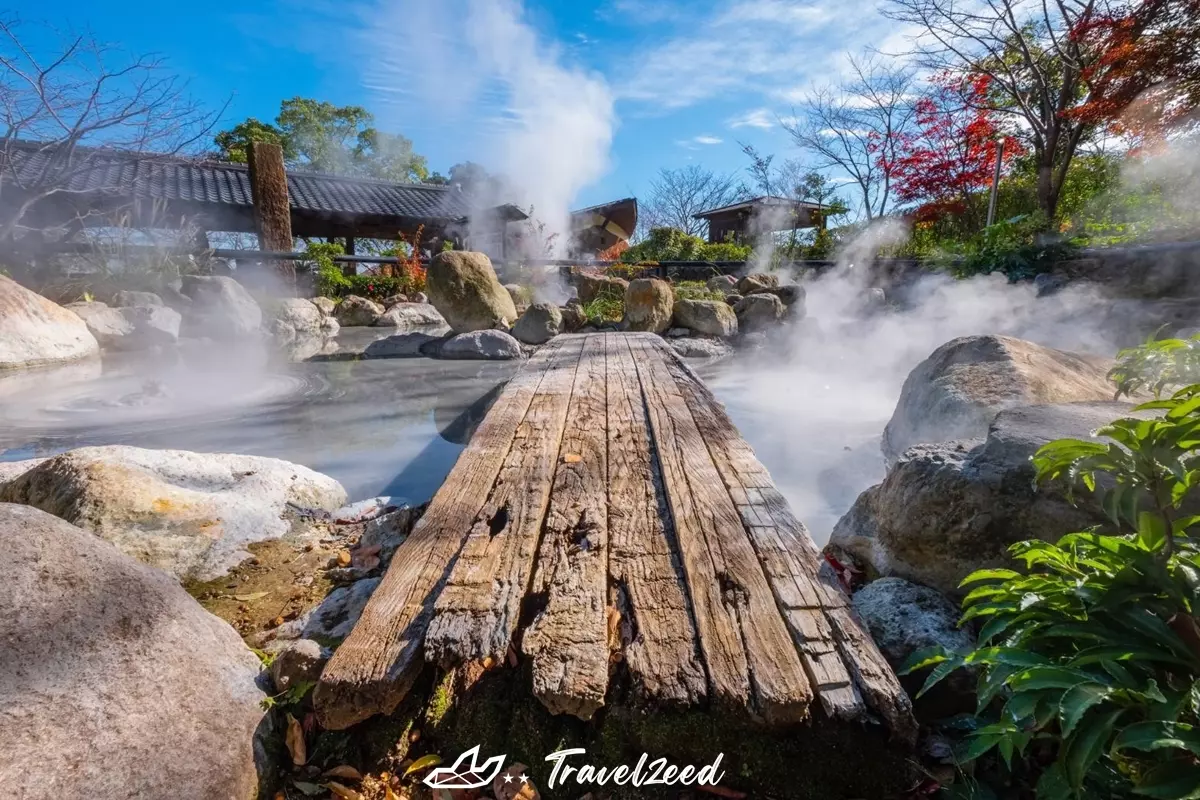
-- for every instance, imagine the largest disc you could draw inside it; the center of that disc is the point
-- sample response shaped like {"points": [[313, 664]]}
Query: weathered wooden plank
{"points": [[374, 668], [657, 633], [842, 661], [736, 613], [476, 614], [568, 639]]}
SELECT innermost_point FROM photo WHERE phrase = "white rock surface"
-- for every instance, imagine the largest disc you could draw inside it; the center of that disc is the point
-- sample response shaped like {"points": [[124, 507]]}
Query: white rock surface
{"points": [[35, 332], [190, 514]]}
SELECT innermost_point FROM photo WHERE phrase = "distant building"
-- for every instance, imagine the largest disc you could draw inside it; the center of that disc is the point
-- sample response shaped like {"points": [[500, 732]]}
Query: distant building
{"points": [[745, 221], [600, 227]]}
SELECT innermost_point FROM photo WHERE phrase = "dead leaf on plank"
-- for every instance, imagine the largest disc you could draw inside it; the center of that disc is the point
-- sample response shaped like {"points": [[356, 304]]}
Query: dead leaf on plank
{"points": [[295, 741], [250, 598], [572, 458]]}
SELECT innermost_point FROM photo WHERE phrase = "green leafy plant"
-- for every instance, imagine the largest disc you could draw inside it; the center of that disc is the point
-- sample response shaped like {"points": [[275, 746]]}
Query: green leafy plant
{"points": [[1156, 365], [292, 696], [328, 279], [1017, 247], [696, 290], [1091, 655], [607, 306]]}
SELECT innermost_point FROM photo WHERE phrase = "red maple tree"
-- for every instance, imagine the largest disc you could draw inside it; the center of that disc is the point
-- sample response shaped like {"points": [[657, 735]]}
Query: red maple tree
{"points": [[952, 156], [1145, 76]]}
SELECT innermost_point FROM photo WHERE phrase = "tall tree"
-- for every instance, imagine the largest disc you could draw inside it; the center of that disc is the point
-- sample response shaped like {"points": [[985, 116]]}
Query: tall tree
{"points": [[858, 128], [320, 136], [952, 156], [677, 195], [1145, 79], [1041, 60], [57, 100]]}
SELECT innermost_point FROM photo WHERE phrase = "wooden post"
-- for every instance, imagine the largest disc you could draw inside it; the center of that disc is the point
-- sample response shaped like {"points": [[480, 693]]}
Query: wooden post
{"points": [[272, 211], [349, 245]]}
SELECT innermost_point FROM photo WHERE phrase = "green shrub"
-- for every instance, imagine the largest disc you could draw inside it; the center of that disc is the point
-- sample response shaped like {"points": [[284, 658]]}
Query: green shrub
{"points": [[1156, 365], [1089, 657], [1017, 247], [696, 290], [607, 306]]}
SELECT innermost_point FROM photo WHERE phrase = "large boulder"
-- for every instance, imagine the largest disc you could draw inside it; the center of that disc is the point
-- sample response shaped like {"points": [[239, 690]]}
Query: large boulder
{"points": [[756, 282], [947, 509], [572, 315], [958, 390], [130, 299], [709, 317], [221, 308], [190, 514], [152, 326], [463, 287], [297, 316], [483, 345], [904, 617], [522, 296], [700, 348], [758, 312], [540, 323], [591, 285], [410, 315], [721, 283], [116, 684], [357, 312], [325, 305], [649, 304], [108, 325], [36, 332]]}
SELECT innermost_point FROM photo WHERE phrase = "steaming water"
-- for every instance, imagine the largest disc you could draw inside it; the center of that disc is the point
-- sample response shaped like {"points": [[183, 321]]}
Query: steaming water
{"points": [[390, 427]]}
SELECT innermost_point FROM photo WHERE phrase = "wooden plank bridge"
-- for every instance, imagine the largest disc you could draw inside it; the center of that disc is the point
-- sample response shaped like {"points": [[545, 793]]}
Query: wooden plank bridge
{"points": [[608, 516]]}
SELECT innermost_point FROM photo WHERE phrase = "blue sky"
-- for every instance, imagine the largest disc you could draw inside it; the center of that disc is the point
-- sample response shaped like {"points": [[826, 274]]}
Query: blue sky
{"points": [[502, 82]]}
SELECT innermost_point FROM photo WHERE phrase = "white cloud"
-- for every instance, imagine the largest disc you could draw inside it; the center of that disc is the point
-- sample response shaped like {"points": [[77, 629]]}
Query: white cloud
{"points": [[703, 140], [760, 118], [707, 140], [776, 49]]}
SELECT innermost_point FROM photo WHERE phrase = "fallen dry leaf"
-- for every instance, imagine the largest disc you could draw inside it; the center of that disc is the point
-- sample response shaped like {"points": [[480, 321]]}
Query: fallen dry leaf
{"points": [[310, 789], [344, 792], [572, 458], [280, 795], [344, 771], [424, 762], [388, 794], [250, 598], [295, 741], [343, 558]]}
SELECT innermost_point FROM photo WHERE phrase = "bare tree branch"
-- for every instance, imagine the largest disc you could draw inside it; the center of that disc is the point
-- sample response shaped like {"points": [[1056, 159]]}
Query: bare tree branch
{"points": [[676, 195]]}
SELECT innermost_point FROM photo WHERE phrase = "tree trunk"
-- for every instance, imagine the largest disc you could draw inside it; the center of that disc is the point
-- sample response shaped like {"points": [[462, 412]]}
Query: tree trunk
{"points": [[269, 191]]}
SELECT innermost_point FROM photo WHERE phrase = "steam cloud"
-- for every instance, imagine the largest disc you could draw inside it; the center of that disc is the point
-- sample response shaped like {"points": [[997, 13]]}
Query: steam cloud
{"points": [[545, 125]]}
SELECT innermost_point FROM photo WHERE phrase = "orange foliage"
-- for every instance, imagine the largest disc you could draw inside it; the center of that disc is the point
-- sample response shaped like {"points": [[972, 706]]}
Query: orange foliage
{"points": [[613, 253]]}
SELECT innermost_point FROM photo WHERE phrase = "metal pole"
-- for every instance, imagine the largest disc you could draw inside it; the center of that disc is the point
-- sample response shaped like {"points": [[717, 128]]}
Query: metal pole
{"points": [[995, 183]]}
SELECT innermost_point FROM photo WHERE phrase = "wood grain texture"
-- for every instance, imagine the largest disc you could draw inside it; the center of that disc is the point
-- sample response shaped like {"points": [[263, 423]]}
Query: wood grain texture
{"points": [[842, 661], [657, 633], [568, 638], [477, 612], [735, 610], [375, 666], [269, 192]]}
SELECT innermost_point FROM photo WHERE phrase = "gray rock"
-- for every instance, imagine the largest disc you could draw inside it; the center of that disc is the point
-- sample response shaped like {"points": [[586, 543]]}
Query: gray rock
{"points": [[572, 315], [733, 299], [108, 325], [298, 663], [151, 326], [649, 304], [591, 285], [388, 302], [35, 332], [792, 295], [114, 671], [700, 348], [410, 315], [904, 617], [958, 390], [721, 283], [758, 312], [487, 345], [388, 531], [324, 305], [330, 326], [540, 323], [328, 623], [127, 299], [677, 333], [749, 284], [419, 297], [357, 312], [947, 509], [463, 287], [221, 308], [708, 317], [521, 296], [301, 316], [190, 514], [401, 345], [14, 469]]}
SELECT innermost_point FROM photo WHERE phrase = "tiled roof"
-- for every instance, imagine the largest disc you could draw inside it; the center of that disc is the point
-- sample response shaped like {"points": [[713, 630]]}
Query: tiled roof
{"points": [[151, 176]]}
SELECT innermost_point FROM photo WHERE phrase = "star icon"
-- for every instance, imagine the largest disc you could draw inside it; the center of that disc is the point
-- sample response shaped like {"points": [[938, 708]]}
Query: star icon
{"points": [[508, 778], [524, 779]]}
